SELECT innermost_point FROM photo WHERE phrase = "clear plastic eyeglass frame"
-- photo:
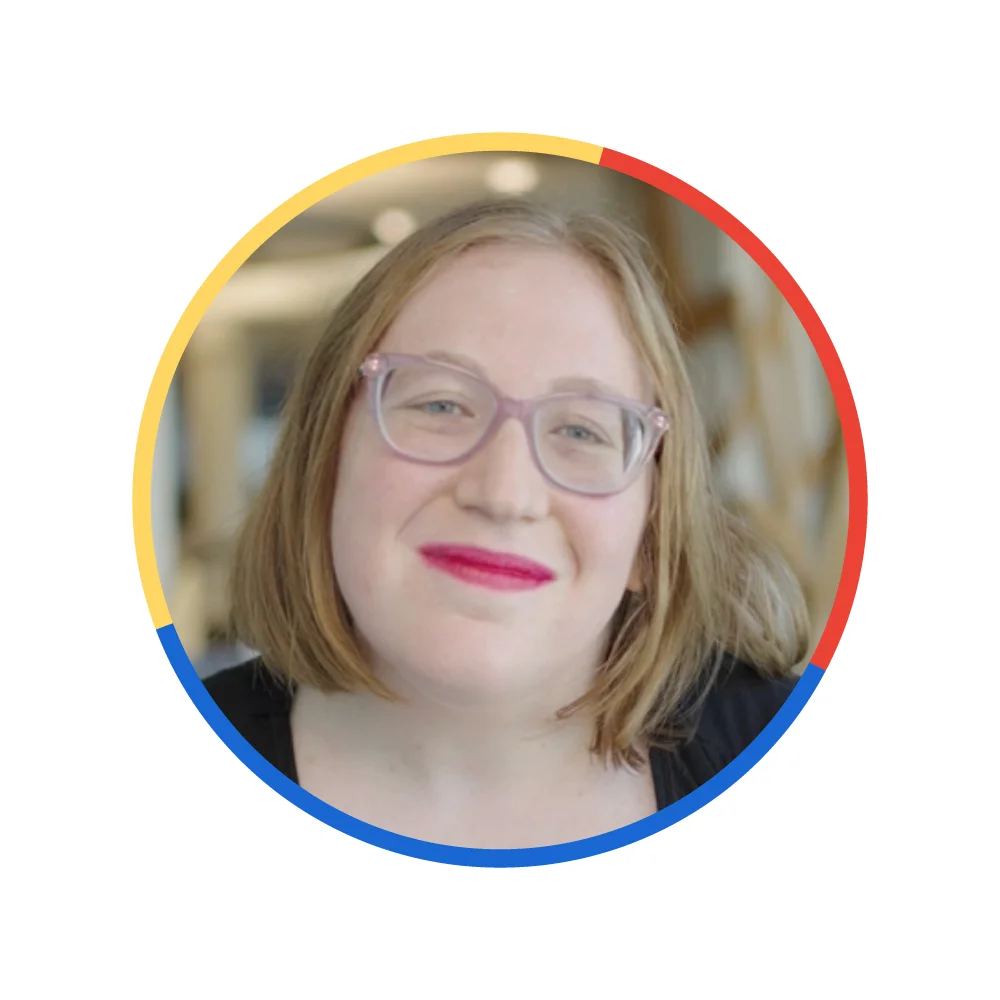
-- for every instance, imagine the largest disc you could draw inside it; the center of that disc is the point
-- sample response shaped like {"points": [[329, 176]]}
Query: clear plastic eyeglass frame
{"points": [[654, 422]]}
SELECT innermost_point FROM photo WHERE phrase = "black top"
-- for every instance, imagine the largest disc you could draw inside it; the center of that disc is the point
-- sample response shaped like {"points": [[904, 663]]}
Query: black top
{"points": [[738, 706]]}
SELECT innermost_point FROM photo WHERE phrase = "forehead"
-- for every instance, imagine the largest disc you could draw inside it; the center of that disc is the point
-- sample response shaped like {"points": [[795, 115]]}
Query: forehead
{"points": [[528, 316]]}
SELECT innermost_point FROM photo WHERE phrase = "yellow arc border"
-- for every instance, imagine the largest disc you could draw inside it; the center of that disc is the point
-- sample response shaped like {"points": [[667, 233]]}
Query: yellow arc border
{"points": [[142, 478]]}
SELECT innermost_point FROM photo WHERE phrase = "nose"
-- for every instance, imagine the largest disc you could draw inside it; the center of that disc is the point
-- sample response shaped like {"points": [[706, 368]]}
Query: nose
{"points": [[501, 480]]}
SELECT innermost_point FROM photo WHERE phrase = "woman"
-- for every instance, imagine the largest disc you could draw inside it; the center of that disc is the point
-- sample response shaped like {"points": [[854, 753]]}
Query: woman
{"points": [[496, 601]]}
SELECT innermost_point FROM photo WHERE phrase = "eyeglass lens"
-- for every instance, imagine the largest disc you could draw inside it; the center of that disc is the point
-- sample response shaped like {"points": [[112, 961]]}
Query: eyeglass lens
{"points": [[438, 415]]}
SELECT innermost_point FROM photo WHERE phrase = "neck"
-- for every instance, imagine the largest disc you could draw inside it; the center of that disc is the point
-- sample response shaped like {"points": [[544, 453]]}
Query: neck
{"points": [[485, 772], [483, 745]]}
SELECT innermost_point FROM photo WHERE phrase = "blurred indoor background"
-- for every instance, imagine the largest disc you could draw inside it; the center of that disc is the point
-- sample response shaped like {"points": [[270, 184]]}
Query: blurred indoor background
{"points": [[776, 441]]}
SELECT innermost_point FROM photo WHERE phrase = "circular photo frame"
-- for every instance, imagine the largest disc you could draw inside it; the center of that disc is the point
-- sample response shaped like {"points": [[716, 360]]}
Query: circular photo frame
{"points": [[521, 144]]}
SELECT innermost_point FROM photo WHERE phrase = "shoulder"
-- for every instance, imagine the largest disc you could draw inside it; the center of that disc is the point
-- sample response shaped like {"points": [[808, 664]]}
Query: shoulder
{"points": [[258, 705], [735, 710], [738, 706], [248, 689]]}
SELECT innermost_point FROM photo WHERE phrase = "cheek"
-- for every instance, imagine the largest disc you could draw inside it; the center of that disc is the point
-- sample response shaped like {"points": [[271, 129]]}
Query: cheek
{"points": [[364, 508], [376, 498], [366, 487], [360, 507], [611, 528]]}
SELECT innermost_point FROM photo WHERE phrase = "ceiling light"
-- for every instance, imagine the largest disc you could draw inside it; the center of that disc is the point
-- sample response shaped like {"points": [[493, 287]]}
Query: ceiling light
{"points": [[512, 175], [393, 225]]}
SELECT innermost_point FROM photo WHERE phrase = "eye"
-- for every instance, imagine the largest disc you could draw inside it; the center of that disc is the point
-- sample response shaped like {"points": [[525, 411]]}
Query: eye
{"points": [[442, 408], [579, 433]]}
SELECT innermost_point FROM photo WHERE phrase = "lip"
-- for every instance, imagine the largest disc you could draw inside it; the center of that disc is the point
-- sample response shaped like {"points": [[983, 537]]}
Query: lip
{"points": [[485, 568]]}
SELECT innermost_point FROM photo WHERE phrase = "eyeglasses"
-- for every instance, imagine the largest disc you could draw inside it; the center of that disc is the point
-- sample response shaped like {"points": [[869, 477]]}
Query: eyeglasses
{"points": [[434, 413]]}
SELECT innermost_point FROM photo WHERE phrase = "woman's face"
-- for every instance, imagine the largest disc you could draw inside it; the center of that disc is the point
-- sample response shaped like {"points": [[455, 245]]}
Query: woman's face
{"points": [[526, 319]]}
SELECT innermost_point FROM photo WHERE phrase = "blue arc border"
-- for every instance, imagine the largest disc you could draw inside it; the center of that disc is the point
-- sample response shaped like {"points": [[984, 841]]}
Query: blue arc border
{"points": [[471, 856]]}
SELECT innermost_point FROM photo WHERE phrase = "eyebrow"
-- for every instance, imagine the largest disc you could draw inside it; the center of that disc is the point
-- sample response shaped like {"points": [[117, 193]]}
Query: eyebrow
{"points": [[570, 384]]}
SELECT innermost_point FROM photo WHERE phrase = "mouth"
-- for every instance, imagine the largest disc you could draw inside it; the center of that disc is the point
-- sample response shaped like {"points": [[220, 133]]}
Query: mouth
{"points": [[483, 568]]}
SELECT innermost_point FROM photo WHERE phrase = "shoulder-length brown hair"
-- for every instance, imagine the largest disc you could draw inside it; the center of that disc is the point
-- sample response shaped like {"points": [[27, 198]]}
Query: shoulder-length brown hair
{"points": [[709, 586]]}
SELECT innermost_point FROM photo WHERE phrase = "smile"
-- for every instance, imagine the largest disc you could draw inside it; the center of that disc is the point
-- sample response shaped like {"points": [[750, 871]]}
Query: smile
{"points": [[483, 568]]}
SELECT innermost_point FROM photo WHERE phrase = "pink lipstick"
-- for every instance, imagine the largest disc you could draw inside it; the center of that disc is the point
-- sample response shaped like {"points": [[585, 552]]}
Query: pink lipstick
{"points": [[483, 568]]}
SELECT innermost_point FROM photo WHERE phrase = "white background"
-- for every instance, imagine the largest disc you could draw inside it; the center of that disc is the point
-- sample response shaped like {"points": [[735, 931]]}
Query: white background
{"points": [[141, 858]]}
